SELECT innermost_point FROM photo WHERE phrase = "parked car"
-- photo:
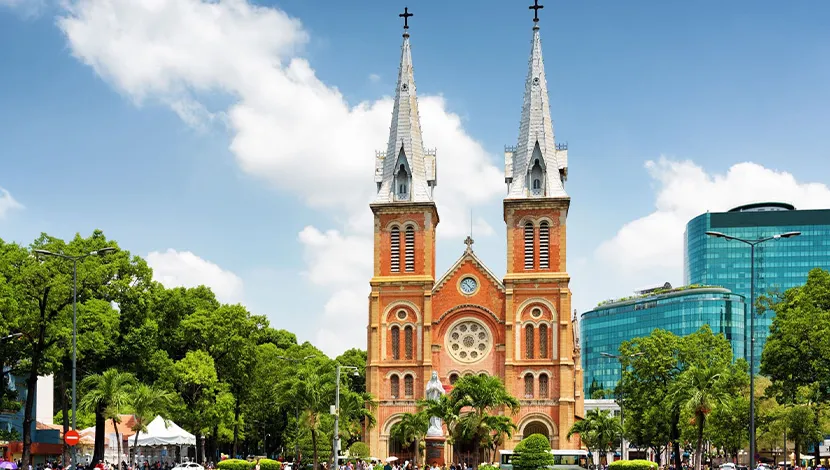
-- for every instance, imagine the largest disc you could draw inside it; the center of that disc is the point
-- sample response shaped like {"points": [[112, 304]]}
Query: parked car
{"points": [[188, 466]]}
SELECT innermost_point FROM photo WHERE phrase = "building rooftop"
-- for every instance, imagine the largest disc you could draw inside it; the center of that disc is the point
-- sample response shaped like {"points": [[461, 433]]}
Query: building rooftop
{"points": [[660, 291], [763, 206]]}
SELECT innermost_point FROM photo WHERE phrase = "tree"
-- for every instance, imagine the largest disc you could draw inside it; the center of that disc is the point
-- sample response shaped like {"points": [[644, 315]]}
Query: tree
{"points": [[106, 394], [699, 391], [411, 429], [797, 352], [650, 390], [147, 402], [359, 450], [196, 384], [727, 425], [599, 431], [484, 396], [533, 453], [40, 290]]}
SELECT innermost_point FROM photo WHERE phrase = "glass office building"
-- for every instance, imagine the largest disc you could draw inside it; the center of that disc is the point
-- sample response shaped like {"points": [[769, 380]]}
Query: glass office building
{"points": [[779, 264], [681, 311]]}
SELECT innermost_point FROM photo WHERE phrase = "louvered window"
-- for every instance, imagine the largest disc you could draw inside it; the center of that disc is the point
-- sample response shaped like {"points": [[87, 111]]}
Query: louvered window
{"points": [[394, 386], [528, 245], [410, 249], [395, 249], [528, 385], [543, 386], [408, 342], [529, 341], [396, 343], [544, 246], [408, 386], [543, 341]]}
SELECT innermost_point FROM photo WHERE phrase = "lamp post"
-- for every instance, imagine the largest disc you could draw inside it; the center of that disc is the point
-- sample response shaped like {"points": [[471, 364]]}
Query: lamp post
{"points": [[620, 357], [297, 412], [75, 260], [752, 244], [335, 440]]}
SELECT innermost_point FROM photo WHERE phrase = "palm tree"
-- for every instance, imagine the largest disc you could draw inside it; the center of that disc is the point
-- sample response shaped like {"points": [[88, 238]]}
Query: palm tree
{"points": [[411, 429], [106, 395], [311, 392], [147, 402], [484, 396], [599, 431], [698, 390]]}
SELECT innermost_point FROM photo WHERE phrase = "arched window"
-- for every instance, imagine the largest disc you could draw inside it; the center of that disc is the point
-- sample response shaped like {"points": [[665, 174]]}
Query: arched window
{"points": [[408, 342], [394, 386], [396, 343], [408, 386], [395, 249], [529, 341], [410, 249], [453, 379], [528, 245], [543, 386], [528, 385], [403, 184], [544, 246], [537, 175], [543, 341]]}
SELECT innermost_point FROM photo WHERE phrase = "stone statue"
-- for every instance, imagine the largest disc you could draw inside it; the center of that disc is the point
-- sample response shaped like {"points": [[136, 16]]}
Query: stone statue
{"points": [[433, 393]]}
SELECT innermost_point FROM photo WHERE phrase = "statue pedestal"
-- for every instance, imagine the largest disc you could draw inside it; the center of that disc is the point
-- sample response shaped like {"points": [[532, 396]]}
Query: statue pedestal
{"points": [[435, 451]]}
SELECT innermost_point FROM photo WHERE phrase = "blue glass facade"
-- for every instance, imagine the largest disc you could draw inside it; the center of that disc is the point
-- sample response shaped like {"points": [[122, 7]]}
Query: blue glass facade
{"points": [[779, 264], [681, 311]]}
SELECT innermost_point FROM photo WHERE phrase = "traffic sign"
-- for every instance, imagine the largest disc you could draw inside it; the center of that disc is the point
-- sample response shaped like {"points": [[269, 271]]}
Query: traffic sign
{"points": [[72, 437]]}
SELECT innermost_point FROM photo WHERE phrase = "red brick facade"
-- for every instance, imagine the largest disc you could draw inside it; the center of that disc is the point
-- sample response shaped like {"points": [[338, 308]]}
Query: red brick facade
{"points": [[517, 328]]}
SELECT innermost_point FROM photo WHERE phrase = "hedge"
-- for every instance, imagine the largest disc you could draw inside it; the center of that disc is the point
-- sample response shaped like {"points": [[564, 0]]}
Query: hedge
{"points": [[532, 453], [237, 464], [359, 450], [632, 465]]}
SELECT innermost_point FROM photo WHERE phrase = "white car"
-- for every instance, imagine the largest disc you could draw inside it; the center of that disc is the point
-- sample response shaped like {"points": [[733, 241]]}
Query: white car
{"points": [[188, 466]]}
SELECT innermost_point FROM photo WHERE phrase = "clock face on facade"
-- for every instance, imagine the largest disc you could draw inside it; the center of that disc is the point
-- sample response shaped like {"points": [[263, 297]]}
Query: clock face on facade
{"points": [[468, 285]]}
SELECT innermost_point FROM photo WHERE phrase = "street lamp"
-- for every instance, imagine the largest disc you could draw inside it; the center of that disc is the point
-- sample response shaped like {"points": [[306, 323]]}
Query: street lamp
{"points": [[10, 337], [335, 441], [297, 438], [75, 260], [620, 357], [752, 244]]}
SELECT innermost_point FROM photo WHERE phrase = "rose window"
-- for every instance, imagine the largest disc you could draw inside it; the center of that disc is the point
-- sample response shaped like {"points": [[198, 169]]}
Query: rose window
{"points": [[468, 341]]}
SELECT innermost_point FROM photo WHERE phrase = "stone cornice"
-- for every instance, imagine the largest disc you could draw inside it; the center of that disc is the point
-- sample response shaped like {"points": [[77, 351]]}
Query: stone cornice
{"points": [[537, 276], [402, 280], [469, 307], [405, 208]]}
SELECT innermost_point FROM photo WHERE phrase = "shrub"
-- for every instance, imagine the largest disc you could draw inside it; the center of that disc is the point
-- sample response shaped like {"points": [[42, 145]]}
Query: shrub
{"points": [[378, 467], [533, 453], [486, 466], [632, 465], [359, 450], [234, 464], [267, 464]]}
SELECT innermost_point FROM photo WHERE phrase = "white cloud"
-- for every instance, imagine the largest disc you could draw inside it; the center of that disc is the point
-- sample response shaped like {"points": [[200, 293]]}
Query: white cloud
{"points": [[654, 243], [184, 269], [7, 203], [27, 7], [287, 126], [374, 78]]}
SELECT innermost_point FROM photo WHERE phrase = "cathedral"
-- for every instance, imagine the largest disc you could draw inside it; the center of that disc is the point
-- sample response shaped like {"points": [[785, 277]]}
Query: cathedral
{"points": [[468, 320]]}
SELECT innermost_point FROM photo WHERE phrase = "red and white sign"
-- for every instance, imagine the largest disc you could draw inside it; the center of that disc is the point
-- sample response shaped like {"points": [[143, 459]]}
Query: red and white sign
{"points": [[72, 437]]}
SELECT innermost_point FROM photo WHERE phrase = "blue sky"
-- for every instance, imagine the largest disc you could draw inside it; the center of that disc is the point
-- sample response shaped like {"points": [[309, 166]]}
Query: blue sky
{"points": [[232, 142]]}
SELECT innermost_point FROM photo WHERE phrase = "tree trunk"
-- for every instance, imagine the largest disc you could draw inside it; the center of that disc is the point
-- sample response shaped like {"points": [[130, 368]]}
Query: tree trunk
{"points": [[135, 444], [31, 389], [199, 453], [236, 411], [65, 413], [417, 443], [675, 439], [314, 446], [100, 429], [699, 447], [117, 443]]}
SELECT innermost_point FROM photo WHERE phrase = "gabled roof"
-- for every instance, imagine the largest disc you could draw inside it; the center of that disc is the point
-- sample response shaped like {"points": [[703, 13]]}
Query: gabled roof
{"points": [[405, 138], [468, 255]]}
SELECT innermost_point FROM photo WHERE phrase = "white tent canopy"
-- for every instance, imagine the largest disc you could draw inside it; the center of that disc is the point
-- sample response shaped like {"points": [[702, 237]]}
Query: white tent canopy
{"points": [[161, 434]]}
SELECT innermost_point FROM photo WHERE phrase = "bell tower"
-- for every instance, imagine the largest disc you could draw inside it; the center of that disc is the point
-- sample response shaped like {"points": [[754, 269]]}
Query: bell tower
{"points": [[542, 361], [405, 218]]}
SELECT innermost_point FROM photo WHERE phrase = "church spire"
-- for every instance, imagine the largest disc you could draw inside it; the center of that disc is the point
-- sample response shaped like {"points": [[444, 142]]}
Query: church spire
{"points": [[536, 166], [405, 172]]}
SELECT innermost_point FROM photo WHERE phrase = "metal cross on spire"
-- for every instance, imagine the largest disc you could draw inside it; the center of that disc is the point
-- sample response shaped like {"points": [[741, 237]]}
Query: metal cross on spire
{"points": [[536, 7], [406, 15]]}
